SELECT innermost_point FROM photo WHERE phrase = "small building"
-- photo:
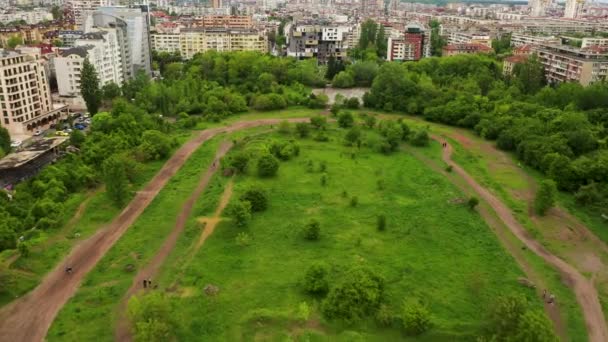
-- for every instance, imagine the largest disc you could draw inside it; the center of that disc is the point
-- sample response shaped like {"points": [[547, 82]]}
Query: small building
{"points": [[510, 62], [24, 164], [464, 48]]}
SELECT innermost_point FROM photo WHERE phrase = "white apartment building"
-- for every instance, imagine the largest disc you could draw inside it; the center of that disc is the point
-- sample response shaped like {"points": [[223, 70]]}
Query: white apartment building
{"points": [[165, 42], [518, 39], [102, 49], [25, 97], [568, 64], [82, 8], [574, 8], [594, 41], [457, 37], [31, 17]]}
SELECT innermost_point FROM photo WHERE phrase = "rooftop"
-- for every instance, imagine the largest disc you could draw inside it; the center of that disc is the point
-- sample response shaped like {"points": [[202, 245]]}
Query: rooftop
{"points": [[31, 152]]}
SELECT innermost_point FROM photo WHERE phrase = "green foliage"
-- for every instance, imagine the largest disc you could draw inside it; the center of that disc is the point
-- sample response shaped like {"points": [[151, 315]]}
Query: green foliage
{"points": [[243, 239], [510, 319], [529, 76], [269, 102], [333, 67], [437, 41], [150, 317], [472, 202], [416, 319], [268, 165], [343, 80], [284, 127], [317, 101], [115, 178], [384, 315], [370, 121], [502, 44], [239, 161], [13, 41], [284, 150], [420, 138], [240, 212], [316, 278], [318, 122], [312, 230], [8, 238], [355, 297], [381, 222], [302, 129], [155, 145], [110, 91], [352, 136], [89, 87], [352, 103], [346, 119], [534, 326], [5, 140], [545, 196], [77, 138], [354, 201], [258, 198]]}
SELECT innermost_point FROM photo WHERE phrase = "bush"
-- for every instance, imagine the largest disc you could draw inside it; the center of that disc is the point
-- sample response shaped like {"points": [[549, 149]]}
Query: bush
{"points": [[323, 179], [354, 201], [303, 129], [416, 319], [370, 121], [284, 127], [155, 145], [269, 102], [239, 161], [352, 103], [381, 222], [352, 136], [257, 197], [312, 230], [358, 294], [243, 239], [240, 212], [268, 165], [317, 101], [343, 80], [318, 122], [77, 138], [345, 120], [472, 202], [384, 316], [448, 168], [545, 196], [321, 137], [420, 138], [315, 280]]}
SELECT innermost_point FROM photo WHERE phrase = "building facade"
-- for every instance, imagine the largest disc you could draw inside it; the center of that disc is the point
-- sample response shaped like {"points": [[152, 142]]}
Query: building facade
{"points": [[411, 45], [25, 97], [317, 41], [567, 64]]}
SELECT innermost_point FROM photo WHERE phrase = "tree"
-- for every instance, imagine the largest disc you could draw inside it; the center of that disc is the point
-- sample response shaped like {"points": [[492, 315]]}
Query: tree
{"points": [[312, 230], [370, 121], [257, 197], [110, 91], [381, 42], [505, 315], [343, 80], [315, 280], [352, 136], [155, 145], [502, 45], [303, 129], [534, 326], [437, 41], [420, 138], [5, 140], [333, 67], [57, 12], [8, 238], [89, 87], [530, 75], [268, 165], [150, 317], [345, 120], [545, 196], [115, 179], [318, 122], [240, 212], [77, 138], [356, 296], [239, 161], [13, 41], [416, 318]]}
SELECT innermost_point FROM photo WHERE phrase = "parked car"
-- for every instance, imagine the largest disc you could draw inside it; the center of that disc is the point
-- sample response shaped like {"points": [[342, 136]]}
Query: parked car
{"points": [[80, 126], [61, 134], [38, 132], [69, 130], [16, 143]]}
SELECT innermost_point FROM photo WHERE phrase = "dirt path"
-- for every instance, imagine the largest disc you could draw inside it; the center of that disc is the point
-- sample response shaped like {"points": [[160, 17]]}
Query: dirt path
{"points": [[29, 317], [151, 270], [211, 223], [553, 311], [584, 289]]}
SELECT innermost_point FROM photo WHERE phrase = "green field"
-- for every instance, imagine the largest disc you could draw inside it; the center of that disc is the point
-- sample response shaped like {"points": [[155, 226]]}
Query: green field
{"points": [[433, 251]]}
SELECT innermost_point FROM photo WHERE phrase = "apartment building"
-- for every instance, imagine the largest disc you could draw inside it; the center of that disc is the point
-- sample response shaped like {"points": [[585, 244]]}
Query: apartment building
{"points": [[25, 97], [459, 37], [82, 8], [574, 8], [465, 49], [165, 42], [231, 21], [319, 41], [568, 64], [509, 63], [200, 40], [411, 45], [33, 16], [103, 51], [594, 41], [518, 39], [69, 37]]}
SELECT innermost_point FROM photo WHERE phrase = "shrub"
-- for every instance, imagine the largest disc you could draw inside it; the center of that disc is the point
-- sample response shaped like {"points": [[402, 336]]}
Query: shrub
{"points": [[448, 168], [312, 230], [269, 102], [381, 222], [310, 166], [344, 79], [317, 101], [315, 280], [284, 127], [352, 103], [318, 122], [354, 201], [257, 197], [352, 136], [243, 239], [322, 166], [545, 196], [239, 161], [323, 179], [358, 294], [302, 129], [384, 316], [345, 120], [420, 138], [472, 202], [416, 319], [240, 212], [321, 136], [370, 121], [268, 165]]}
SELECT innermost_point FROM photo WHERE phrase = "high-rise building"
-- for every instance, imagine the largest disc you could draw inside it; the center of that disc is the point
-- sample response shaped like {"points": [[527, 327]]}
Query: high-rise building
{"points": [[573, 8], [135, 22], [82, 8], [412, 46], [25, 96], [317, 40], [538, 8], [216, 3]]}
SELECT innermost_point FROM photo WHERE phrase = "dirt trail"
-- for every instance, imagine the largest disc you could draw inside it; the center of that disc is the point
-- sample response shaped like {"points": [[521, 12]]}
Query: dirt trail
{"points": [[29, 317], [150, 271], [211, 223], [552, 310], [584, 289]]}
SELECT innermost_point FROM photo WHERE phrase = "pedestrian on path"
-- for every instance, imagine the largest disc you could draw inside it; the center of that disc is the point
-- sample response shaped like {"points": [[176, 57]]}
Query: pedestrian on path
{"points": [[145, 283]]}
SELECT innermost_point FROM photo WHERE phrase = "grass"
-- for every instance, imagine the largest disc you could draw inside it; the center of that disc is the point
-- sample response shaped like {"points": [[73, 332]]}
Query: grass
{"points": [[291, 112], [438, 252]]}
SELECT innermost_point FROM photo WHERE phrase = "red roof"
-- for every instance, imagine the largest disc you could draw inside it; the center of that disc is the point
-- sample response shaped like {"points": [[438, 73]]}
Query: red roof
{"points": [[516, 59]]}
